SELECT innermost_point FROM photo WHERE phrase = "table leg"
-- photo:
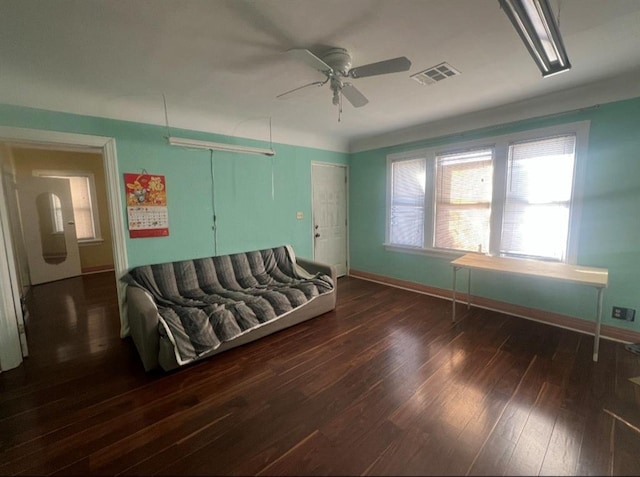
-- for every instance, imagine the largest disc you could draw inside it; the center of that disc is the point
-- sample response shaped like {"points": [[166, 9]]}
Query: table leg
{"points": [[453, 313], [469, 291], [596, 338]]}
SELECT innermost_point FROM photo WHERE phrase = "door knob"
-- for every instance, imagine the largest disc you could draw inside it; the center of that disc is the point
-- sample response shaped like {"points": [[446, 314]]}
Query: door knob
{"points": [[71, 223]]}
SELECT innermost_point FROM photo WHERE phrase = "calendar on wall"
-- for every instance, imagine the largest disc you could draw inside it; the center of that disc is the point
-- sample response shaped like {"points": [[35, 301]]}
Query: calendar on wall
{"points": [[146, 205]]}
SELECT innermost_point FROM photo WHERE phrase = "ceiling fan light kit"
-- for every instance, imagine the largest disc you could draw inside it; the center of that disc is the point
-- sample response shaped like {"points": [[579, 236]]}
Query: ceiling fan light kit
{"points": [[339, 59], [537, 27], [335, 64]]}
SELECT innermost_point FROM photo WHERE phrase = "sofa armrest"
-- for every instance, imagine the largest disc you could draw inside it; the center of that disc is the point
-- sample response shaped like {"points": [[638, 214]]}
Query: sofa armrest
{"points": [[143, 322], [318, 267]]}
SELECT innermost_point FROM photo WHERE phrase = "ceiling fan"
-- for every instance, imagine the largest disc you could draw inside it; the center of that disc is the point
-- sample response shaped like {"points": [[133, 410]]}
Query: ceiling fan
{"points": [[335, 64]]}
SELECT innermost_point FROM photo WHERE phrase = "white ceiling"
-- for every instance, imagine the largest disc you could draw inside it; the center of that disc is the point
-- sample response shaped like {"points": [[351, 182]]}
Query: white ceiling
{"points": [[221, 63]]}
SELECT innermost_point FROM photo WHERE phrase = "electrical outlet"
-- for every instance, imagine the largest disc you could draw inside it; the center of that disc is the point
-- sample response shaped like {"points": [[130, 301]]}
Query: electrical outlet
{"points": [[620, 313]]}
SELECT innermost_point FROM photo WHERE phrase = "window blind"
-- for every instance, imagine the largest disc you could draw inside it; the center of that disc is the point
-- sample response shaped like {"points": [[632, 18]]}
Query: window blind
{"points": [[407, 202], [82, 211], [463, 200], [538, 198]]}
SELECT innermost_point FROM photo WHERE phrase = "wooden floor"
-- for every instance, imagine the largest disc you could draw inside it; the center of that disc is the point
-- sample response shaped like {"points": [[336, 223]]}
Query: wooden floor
{"points": [[384, 385]]}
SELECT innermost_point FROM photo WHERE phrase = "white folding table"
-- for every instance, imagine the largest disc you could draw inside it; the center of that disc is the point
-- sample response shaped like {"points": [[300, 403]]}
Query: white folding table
{"points": [[590, 276]]}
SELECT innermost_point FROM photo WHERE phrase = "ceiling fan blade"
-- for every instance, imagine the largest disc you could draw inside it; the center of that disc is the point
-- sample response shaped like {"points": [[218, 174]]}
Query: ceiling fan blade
{"points": [[309, 59], [394, 65], [355, 97], [287, 93]]}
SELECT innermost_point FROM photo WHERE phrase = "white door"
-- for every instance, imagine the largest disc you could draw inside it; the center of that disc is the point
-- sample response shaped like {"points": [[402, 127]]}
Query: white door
{"points": [[329, 183], [46, 211]]}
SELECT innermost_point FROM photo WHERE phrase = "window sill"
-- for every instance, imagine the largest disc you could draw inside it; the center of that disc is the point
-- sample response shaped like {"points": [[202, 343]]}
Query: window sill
{"points": [[430, 252], [96, 241]]}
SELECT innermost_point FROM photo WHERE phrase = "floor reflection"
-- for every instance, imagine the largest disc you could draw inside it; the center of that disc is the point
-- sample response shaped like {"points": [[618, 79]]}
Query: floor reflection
{"points": [[72, 318]]}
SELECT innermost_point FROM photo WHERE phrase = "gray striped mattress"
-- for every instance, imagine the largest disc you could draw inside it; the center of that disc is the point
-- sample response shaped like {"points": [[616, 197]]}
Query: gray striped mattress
{"points": [[205, 302]]}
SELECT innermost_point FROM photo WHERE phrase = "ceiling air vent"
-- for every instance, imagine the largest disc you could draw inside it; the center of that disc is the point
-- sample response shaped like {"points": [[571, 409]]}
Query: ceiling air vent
{"points": [[435, 74]]}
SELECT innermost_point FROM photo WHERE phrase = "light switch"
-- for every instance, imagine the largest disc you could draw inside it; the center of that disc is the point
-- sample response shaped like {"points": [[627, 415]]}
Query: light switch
{"points": [[299, 215]]}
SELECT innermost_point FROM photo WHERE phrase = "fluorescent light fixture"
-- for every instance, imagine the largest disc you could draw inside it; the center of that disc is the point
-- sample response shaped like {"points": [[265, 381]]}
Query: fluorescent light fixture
{"points": [[534, 22], [218, 146]]}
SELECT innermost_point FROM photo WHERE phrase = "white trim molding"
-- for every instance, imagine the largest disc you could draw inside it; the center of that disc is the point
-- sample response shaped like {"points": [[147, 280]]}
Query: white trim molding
{"points": [[10, 308]]}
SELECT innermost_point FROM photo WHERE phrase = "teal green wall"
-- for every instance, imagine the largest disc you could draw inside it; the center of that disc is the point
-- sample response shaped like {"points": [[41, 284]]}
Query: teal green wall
{"points": [[609, 234], [249, 216]]}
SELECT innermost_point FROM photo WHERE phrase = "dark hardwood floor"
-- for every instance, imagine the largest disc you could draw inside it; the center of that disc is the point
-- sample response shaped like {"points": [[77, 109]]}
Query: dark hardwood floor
{"points": [[383, 385]]}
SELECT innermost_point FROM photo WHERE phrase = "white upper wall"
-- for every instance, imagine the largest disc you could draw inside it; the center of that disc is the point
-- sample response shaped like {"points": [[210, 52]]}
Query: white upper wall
{"points": [[220, 64]]}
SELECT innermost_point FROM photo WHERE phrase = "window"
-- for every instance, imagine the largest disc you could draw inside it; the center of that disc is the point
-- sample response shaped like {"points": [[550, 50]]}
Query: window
{"points": [[85, 212], [82, 210], [407, 202], [513, 195], [463, 200], [538, 199]]}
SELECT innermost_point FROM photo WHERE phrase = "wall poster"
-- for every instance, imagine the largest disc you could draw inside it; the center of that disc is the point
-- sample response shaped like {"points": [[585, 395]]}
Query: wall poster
{"points": [[146, 205]]}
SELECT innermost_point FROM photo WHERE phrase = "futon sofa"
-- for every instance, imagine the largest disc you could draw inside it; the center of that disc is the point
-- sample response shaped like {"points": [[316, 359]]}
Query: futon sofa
{"points": [[180, 312]]}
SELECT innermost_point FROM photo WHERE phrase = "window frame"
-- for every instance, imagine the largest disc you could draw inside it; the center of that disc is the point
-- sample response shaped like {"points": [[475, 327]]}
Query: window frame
{"points": [[500, 145], [90, 176]]}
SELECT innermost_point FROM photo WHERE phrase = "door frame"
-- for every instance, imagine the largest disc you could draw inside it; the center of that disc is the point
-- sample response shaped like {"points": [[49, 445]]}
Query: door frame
{"points": [[313, 212], [10, 354]]}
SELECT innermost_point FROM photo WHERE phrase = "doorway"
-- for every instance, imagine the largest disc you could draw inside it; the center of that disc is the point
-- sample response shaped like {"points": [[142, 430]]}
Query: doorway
{"points": [[10, 266], [330, 233], [85, 226]]}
